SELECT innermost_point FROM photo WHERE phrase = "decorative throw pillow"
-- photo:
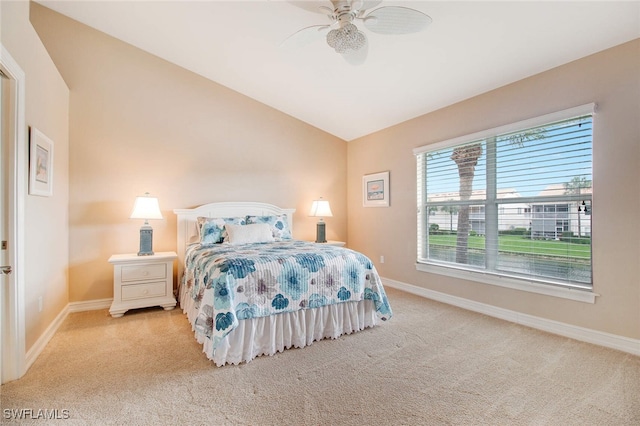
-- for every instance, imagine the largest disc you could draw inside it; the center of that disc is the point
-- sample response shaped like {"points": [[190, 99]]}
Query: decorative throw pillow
{"points": [[212, 229], [245, 234], [279, 225]]}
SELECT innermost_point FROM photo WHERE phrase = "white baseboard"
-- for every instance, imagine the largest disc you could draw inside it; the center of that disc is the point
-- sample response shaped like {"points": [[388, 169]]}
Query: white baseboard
{"points": [[90, 305], [37, 348], [613, 341]]}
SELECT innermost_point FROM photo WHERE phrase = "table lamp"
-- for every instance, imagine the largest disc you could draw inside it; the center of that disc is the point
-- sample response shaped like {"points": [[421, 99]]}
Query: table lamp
{"points": [[320, 208], [146, 208]]}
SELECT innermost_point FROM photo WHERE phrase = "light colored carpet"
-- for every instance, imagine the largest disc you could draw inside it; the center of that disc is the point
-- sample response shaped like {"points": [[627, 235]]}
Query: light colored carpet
{"points": [[431, 364]]}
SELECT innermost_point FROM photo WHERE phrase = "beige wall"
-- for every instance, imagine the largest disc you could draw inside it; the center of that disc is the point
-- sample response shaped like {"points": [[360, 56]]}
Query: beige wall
{"points": [[612, 80], [46, 218], [139, 123]]}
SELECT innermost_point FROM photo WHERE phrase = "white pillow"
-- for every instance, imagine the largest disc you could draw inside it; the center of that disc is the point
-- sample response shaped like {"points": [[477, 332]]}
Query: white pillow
{"points": [[245, 234]]}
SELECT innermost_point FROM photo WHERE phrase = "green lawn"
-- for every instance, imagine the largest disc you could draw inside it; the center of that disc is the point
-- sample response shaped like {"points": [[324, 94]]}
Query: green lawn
{"points": [[518, 244]]}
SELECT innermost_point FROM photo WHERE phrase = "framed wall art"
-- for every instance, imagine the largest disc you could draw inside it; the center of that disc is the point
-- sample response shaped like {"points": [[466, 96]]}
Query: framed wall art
{"points": [[40, 164], [375, 190]]}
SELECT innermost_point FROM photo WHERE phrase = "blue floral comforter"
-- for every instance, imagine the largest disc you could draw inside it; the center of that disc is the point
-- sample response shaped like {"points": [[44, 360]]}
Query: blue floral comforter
{"points": [[231, 283]]}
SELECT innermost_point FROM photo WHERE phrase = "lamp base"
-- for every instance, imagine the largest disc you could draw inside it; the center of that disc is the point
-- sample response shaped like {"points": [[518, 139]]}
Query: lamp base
{"points": [[146, 241], [320, 233]]}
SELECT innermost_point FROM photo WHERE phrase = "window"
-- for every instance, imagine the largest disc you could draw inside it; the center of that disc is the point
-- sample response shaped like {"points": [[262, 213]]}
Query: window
{"points": [[514, 201]]}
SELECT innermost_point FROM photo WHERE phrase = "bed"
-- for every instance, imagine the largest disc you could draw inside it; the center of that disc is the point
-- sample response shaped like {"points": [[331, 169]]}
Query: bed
{"points": [[249, 289]]}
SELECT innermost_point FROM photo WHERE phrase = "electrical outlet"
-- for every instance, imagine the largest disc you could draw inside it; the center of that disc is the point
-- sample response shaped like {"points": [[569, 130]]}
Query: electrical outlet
{"points": [[40, 304], [381, 259]]}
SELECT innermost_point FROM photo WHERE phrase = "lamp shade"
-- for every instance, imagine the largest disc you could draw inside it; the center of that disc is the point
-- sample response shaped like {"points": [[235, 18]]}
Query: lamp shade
{"points": [[146, 208], [320, 208]]}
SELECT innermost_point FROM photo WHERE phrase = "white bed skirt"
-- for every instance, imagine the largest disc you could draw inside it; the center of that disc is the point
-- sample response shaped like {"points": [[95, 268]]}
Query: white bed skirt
{"points": [[273, 334]]}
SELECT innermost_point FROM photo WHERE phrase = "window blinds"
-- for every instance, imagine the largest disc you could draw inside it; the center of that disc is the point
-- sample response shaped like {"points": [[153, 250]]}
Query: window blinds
{"points": [[514, 201]]}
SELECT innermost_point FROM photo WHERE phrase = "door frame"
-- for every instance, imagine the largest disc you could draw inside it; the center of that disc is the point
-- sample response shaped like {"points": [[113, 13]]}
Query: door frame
{"points": [[13, 356]]}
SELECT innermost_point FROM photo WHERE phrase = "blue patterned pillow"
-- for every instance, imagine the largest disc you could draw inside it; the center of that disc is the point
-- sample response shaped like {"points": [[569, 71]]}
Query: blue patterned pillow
{"points": [[279, 225], [212, 229]]}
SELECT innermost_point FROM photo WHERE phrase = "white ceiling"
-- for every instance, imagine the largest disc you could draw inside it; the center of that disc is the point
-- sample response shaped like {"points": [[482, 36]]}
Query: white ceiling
{"points": [[471, 47]]}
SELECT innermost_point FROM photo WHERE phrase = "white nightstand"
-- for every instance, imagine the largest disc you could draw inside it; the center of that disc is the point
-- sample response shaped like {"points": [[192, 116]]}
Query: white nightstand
{"points": [[334, 243], [142, 281]]}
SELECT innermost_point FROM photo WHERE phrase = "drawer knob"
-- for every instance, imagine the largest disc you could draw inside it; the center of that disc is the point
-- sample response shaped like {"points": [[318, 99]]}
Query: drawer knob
{"points": [[145, 273], [145, 291]]}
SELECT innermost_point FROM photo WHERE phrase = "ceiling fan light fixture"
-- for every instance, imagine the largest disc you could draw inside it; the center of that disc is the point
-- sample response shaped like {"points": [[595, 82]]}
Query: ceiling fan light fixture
{"points": [[346, 39]]}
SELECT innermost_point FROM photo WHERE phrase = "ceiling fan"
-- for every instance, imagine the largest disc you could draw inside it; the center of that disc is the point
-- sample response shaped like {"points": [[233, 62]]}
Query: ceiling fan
{"points": [[344, 36]]}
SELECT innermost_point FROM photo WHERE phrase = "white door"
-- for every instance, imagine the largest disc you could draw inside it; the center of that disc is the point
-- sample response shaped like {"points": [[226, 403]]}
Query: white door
{"points": [[13, 164], [4, 261], [2, 215], [4, 281]]}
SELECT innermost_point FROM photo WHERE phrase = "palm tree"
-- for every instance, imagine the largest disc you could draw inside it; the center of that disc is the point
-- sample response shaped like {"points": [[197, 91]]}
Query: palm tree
{"points": [[451, 209], [466, 158], [574, 187]]}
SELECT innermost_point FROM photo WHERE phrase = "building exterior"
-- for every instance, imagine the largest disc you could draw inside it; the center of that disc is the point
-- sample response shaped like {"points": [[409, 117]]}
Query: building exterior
{"points": [[550, 220], [544, 219]]}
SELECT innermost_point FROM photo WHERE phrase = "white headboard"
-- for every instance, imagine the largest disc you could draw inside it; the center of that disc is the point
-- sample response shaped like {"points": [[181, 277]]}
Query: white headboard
{"points": [[187, 220]]}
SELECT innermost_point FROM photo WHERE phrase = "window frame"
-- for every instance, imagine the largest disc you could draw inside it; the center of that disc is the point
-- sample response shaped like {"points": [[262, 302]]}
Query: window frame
{"points": [[545, 285]]}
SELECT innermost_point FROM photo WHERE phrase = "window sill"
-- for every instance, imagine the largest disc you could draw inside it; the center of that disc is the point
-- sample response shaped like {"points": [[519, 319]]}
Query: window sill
{"points": [[585, 296]]}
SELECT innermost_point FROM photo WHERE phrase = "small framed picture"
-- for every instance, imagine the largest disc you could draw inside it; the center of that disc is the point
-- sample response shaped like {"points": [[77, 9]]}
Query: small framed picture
{"points": [[375, 190], [40, 164]]}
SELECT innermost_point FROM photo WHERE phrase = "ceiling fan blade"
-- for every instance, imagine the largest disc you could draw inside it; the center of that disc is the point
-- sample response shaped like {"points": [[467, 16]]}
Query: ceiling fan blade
{"points": [[305, 36], [317, 6], [361, 6], [359, 56], [396, 20]]}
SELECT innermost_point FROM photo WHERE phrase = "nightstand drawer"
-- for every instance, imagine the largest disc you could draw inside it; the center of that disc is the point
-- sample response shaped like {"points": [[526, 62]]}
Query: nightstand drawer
{"points": [[143, 272], [139, 291]]}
